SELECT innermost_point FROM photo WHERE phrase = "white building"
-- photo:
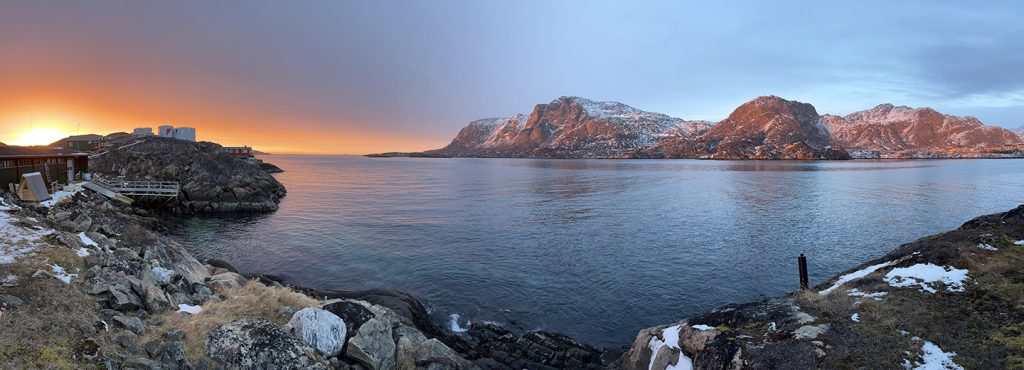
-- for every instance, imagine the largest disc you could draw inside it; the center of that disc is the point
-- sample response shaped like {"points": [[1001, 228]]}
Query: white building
{"points": [[142, 132]]}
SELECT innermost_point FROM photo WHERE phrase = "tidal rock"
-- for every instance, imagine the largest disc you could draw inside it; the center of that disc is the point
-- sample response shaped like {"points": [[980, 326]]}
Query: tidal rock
{"points": [[435, 355], [322, 330], [132, 323], [408, 341], [227, 280], [259, 344]]}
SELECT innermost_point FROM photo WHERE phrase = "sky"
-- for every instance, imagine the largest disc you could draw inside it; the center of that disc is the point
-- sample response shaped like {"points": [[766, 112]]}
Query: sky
{"points": [[356, 77]]}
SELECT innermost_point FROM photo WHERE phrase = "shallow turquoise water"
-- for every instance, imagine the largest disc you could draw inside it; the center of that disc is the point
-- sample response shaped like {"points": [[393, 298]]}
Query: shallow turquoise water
{"points": [[596, 249]]}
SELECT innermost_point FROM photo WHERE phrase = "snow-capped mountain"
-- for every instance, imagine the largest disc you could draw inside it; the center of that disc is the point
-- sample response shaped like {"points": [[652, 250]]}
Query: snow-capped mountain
{"points": [[767, 127], [569, 127], [889, 128]]}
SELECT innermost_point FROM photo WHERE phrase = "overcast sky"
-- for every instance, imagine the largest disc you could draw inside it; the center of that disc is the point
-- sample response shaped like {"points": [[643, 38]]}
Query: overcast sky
{"points": [[362, 76]]}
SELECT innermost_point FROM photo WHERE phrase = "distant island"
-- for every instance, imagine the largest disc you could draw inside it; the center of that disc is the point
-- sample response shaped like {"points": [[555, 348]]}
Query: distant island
{"points": [[767, 127]]}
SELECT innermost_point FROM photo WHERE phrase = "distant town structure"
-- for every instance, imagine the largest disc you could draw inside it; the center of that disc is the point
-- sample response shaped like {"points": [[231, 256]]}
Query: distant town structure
{"points": [[83, 143], [181, 133], [239, 151], [142, 132]]}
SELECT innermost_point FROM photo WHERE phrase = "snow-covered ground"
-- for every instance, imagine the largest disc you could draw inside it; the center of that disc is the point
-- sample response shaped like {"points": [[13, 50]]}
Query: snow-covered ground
{"points": [[15, 241], [933, 358], [926, 275], [854, 276], [189, 309], [858, 293]]}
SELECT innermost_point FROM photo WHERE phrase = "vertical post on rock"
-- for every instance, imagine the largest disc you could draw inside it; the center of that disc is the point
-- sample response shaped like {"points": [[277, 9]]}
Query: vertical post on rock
{"points": [[802, 261]]}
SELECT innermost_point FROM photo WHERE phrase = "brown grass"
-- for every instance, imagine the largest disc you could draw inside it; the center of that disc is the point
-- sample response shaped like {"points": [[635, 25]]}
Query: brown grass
{"points": [[250, 301]]}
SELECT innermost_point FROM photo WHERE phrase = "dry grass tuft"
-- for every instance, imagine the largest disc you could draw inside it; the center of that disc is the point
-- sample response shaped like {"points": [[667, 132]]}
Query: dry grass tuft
{"points": [[249, 301]]}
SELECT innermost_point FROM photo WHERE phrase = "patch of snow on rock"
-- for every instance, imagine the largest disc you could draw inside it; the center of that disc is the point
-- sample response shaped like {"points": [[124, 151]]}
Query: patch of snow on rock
{"points": [[987, 246], [59, 196], [925, 275], [60, 274], [87, 240], [702, 327], [855, 317], [671, 335], [854, 276], [189, 309], [82, 252], [1019, 242], [933, 357]]}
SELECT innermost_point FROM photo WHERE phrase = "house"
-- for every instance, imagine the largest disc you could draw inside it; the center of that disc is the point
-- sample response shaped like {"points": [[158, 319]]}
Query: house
{"points": [[60, 166], [239, 151], [83, 143]]}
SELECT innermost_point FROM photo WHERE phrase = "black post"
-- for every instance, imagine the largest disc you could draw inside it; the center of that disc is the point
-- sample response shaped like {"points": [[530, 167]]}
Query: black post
{"points": [[802, 261]]}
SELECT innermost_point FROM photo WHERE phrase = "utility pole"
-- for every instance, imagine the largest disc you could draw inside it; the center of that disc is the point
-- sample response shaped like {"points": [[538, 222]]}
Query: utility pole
{"points": [[802, 262]]}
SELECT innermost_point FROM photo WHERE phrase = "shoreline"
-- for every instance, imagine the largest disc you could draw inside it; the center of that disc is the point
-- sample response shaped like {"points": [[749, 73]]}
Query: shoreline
{"points": [[787, 314]]}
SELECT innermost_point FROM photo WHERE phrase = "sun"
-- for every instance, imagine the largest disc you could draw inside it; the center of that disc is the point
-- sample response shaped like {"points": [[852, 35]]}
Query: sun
{"points": [[39, 136]]}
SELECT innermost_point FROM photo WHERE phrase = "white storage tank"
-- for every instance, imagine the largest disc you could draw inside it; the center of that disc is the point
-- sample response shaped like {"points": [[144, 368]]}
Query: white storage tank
{"points": [[142, 131], [166, 131], [185, 133]]}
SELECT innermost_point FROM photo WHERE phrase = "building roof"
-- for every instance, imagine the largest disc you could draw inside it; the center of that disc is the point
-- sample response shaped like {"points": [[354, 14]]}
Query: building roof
{"points": [[37, 152], [90, 137]]}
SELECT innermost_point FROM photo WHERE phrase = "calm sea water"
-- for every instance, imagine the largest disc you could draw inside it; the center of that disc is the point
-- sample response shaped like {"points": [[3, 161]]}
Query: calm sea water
{"points": [[596, 249]]}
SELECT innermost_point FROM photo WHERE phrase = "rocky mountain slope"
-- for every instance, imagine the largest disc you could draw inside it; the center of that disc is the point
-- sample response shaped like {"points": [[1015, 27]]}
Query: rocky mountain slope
{"points": [[1020, 132], [569, 127], [767, 127], [889, 128], [949, 301], [211, 180]]}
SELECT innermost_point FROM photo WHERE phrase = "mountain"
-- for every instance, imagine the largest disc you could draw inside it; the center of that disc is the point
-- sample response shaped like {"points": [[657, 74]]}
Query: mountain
{"points": [[888, 128], [568, 127], [767, 127], [1020, 132]]}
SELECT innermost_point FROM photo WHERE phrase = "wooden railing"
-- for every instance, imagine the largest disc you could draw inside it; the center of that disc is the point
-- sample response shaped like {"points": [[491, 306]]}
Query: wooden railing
{"points": [[141, 188]]}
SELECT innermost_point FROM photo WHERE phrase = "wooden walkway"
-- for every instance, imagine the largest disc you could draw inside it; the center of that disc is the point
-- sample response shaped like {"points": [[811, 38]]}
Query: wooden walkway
{"points": [[141, 189]]}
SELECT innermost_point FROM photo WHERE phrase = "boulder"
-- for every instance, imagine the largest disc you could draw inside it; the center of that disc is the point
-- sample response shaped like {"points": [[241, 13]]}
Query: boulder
{"points": [[122, 298], [435, 355], [322, 330], [132, 323], [156, 299], [372, 345], [408, 340], [174, 257], [259, 344], [227, 280], [170, 351], [10, 301]]}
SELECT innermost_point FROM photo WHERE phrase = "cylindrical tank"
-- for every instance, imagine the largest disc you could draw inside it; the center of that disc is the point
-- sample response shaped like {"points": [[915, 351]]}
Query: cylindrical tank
{"points": [[166, 131], [185, 133]]}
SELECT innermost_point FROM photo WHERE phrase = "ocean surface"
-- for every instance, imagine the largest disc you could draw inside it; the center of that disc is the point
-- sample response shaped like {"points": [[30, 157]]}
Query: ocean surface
{"points": [[596, 249]]}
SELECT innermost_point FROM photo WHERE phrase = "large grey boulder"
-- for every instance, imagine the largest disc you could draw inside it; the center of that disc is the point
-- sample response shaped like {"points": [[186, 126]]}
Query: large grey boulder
{"points": [[373, 345], [132, 323], [173, 256], [123, 298], [322, 330], [156, 299], [259, 344], [226, 280]]}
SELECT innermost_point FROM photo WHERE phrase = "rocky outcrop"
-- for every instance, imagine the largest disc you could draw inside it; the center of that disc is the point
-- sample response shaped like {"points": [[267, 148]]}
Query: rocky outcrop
{"points": [[567, 127], [211, 180], [946, 295], [887, 128], [259, 344]]}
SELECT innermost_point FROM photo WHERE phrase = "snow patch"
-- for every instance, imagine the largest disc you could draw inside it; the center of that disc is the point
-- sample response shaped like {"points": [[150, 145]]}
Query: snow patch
{"points": [[87, 240], [858, 293], [925, 275], [854, 276], [702, 327], [671, 339], [82, 252], [58, 196], [987, 246], [933, 357], [1019, 242], [189, 309], [60, 274], [855, 317]]}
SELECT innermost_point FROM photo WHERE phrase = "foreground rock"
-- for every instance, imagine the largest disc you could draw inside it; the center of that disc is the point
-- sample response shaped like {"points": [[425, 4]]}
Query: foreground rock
{"points": [[259, 344], [951, 300], [211, 180], [322, 330]]}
